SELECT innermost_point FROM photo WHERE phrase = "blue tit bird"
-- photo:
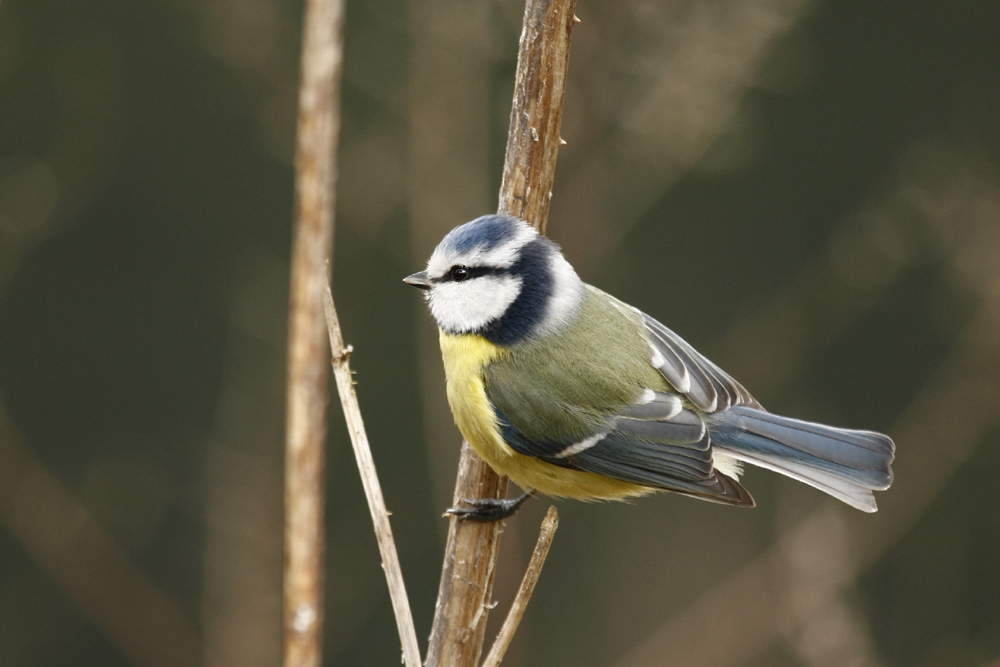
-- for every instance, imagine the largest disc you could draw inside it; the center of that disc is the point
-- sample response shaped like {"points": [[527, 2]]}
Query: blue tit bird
{"points": [[571, 393]]}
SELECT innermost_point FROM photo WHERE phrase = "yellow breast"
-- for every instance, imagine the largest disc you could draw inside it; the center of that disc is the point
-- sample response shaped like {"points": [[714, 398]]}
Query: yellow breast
{"points": [[464, 357]]}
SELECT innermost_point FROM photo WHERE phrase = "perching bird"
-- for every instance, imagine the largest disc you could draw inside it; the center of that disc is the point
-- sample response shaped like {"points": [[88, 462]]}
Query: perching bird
{"points": [[570, 392]]}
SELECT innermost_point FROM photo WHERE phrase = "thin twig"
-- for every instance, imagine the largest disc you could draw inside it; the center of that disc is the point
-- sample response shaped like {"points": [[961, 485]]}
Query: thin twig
{"points": [[545, 535], [315, 175], [373, 490], [464, 596]]}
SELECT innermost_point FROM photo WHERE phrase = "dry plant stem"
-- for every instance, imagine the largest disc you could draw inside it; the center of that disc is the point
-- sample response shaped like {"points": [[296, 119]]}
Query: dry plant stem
{"points": [[464, 596], [305, 434], [545, 535], [463, 602], [533, 138], [373, 490]]}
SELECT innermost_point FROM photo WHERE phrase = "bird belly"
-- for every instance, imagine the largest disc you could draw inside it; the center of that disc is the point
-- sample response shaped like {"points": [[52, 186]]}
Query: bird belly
{"points": [[465, 356]]}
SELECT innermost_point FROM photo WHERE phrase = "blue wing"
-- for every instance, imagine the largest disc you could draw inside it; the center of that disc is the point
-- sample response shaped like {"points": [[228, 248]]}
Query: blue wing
{"points": [[708, 387], [657, 443]]}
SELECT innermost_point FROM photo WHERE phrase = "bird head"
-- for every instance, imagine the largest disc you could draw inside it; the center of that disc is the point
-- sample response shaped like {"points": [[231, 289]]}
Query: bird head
{"points": [[497, 277]]}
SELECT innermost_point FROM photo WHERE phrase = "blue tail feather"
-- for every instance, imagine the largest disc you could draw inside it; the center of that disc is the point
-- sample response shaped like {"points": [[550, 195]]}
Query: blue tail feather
{"points": [[845, 463]]}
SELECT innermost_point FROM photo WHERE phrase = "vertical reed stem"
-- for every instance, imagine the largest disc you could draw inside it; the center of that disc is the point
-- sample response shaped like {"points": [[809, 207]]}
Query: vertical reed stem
{"points": [[464, 596], [305, 435]]}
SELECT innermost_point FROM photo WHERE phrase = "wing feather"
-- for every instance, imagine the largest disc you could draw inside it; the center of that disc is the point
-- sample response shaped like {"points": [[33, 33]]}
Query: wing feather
{"points": [[709, 387], [674, 455]]}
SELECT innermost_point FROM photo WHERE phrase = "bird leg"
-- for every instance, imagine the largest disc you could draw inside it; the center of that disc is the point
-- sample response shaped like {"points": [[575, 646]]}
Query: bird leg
{"points": [[489, 509]]}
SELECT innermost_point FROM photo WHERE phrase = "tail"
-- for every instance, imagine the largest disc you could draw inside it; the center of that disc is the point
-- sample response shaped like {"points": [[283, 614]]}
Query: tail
{"points": [[844, 463]]}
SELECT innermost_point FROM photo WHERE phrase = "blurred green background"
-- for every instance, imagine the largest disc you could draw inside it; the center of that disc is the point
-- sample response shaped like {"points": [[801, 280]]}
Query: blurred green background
{"points": [[809, 192]]}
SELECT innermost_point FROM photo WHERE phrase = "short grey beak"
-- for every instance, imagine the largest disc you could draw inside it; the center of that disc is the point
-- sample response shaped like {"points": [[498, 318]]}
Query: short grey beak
{"points": [[419, 280]]}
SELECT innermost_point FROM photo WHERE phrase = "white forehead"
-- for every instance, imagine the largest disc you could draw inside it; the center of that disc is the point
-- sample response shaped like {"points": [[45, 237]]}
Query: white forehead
{"points": [[493, 241]]}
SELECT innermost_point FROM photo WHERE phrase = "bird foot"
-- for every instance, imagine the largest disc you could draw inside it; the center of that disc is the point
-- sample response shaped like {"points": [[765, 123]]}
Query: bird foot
{"points": [[487, 510]]}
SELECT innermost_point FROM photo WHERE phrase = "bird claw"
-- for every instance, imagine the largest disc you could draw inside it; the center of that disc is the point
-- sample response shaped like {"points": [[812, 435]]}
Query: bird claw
{"points": [[488, 510]]}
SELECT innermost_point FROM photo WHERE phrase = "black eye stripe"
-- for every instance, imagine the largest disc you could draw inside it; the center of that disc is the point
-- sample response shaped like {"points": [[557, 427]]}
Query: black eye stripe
{"points": [[472, 272]]}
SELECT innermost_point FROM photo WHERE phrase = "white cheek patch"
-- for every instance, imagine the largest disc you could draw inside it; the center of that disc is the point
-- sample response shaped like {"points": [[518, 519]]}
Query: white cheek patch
{"points": [[462, 307]]}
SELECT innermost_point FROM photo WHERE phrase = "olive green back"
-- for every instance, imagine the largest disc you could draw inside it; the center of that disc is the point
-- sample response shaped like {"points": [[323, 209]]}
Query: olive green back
{"points": [[566, 385]]}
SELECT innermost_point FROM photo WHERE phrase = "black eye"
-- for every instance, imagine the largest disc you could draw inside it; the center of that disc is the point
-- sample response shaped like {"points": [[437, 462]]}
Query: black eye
{"points": [[459, 273]]}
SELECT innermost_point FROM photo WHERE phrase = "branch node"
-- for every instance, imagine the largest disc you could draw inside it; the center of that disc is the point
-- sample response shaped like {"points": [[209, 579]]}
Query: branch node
{"points": [[344, 355], [305, 616]]}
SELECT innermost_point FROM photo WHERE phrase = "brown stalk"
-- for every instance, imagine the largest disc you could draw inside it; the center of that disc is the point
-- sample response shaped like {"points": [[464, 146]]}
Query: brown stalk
{"points": [[464, 596], [373, 490], [305, 434], [533, 138]]}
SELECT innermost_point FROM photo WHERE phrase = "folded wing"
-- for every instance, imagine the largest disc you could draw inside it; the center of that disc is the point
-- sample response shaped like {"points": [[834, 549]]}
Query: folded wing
{"points": [[656, 442]]}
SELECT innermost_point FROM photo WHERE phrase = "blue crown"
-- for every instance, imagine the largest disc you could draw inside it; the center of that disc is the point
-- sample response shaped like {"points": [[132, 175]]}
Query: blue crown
{"points": [[486, 232]]}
